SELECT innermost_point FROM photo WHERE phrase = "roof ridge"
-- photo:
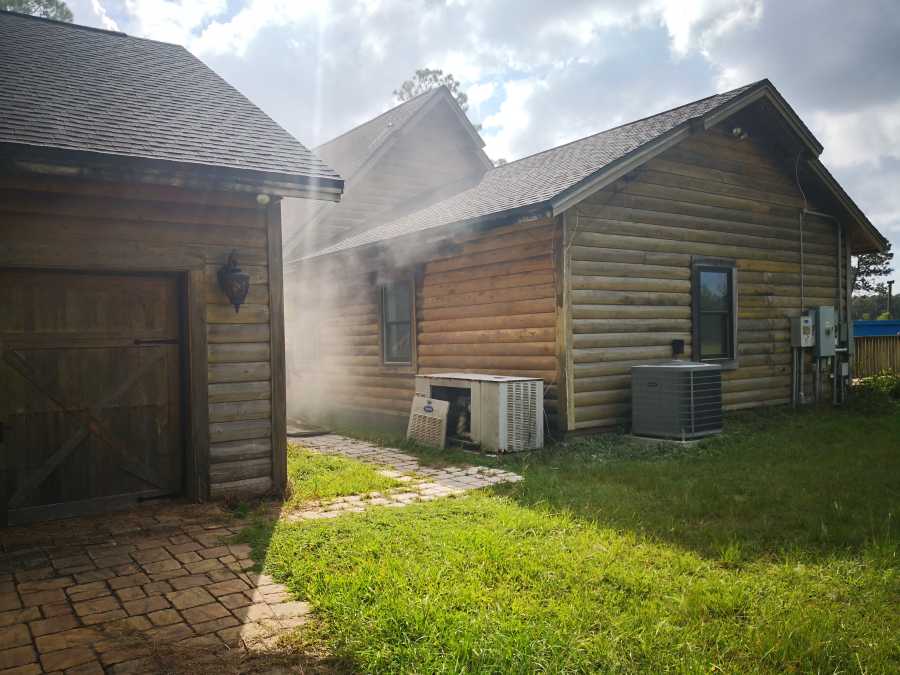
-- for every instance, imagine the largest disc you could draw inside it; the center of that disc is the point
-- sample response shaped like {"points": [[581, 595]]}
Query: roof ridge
{"points": [[94, 29], [535, 185], [66, 24], [627, 124], [379, 116]]}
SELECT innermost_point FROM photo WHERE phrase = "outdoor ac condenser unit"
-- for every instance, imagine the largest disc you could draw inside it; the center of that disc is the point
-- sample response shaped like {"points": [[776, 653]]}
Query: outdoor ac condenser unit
{"points": [[679, 400], [499, 413]]}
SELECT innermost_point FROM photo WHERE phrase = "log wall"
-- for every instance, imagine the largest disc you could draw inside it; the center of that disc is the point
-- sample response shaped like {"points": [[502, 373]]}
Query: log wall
{"points": [[53, 223], [489, 307], [630, 248]]}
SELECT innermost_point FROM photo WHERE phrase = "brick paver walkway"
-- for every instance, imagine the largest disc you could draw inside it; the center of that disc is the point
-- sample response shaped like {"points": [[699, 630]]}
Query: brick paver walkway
{"points": [[123, 593], [160, 588], [420, 483]]}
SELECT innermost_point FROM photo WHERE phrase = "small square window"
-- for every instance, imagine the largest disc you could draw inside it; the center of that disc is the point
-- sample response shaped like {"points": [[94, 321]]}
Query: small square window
{"points": [[396, 322]]}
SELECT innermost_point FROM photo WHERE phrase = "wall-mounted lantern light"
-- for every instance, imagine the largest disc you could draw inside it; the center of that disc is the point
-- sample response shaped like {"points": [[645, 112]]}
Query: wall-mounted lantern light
{"points": [[234, 283]]}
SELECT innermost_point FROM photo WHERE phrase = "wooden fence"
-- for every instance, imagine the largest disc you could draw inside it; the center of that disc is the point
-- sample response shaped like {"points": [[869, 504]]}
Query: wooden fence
{"points": [[876, 354]]}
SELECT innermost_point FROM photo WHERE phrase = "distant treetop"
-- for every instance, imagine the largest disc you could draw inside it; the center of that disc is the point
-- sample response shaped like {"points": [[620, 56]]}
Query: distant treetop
{"points": [[46, 9], [427, 79]]}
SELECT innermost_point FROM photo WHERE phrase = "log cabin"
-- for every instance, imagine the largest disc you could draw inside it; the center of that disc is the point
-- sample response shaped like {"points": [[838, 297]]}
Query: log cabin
{"points": [[130, 174], [581, 261]]}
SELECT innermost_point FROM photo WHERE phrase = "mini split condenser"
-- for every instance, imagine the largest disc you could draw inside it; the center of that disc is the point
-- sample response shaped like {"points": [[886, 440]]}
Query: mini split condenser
{"points": [[496, 412]]}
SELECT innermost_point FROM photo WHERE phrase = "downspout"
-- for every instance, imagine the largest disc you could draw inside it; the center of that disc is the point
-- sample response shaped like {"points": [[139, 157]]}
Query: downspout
{"points": [[802, 212], [800, 357]]}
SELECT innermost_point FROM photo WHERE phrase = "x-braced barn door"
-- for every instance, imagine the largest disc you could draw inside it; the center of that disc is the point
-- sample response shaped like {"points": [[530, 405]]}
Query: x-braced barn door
{"points": [[90, 392]]}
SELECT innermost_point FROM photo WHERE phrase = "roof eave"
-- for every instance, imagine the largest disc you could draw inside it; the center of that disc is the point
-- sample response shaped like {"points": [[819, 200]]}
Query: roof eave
{"points": [[879, 241], [39, 160], [619, 168], [467, 125], [624, 165], [764, 89], [440, 232]]}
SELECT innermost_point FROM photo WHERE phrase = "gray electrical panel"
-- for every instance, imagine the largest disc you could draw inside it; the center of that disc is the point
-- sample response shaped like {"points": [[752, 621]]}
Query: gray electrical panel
{"points": [[802, 334], [826, 331]]}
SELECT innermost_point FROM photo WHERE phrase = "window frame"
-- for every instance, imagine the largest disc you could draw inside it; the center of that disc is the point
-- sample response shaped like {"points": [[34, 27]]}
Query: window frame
{"points": [[728, 266], [409, 280]]}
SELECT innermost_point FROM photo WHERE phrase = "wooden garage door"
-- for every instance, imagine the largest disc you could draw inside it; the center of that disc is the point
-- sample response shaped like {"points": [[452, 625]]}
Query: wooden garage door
{"points": [[91, 391]]}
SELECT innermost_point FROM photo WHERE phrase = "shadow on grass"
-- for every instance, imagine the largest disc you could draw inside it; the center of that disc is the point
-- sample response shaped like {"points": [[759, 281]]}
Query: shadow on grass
{"points": [[498, 583], [779, 483], [268, 648]]}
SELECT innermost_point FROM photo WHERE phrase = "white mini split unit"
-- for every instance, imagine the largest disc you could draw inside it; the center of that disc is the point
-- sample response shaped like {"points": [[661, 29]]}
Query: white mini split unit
{"points": [[496, 412]]}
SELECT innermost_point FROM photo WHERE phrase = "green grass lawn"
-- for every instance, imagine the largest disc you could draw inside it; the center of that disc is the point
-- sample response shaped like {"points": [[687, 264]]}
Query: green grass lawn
{"points": [[313, 476], [771, 549]]}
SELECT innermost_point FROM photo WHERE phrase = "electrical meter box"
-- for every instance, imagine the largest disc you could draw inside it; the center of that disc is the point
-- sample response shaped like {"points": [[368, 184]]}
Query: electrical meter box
{"points": [[802, 331], [826, 331]]}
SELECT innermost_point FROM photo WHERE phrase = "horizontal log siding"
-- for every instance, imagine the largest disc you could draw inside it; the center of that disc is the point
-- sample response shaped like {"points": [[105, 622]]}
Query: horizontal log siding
{"points": [[489, 307], [629, 265], [335, 371], [58, 224]]}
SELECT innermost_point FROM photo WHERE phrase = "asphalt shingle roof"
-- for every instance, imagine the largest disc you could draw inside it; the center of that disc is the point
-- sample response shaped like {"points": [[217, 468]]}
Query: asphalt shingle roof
{"points": [[71, 87], [538, 178], [349, 151]]}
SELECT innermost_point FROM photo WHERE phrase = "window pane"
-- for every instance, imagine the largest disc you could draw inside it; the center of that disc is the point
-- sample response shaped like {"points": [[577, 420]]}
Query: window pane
{"points": [[396, 302], [396, 322], [714, 291], [397, 343], [714, 336]]}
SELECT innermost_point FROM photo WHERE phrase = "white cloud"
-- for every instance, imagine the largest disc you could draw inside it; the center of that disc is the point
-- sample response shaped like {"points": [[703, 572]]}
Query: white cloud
{"points": [[105, 20], [172, 20], [478, 95], [859, 136], [694, 23], [512, 119], [236, 34]]}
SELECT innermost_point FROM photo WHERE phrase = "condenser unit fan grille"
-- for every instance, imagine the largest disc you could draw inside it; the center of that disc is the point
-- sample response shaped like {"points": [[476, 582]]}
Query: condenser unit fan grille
{"points": [[522, 415], [680, 401]]}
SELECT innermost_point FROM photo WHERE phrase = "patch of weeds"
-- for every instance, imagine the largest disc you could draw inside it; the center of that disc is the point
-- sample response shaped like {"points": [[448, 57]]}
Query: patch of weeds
{"points": [[314, 476], [425, 454], [237, 507], [262, 650], [731, 554], [876, 395]]}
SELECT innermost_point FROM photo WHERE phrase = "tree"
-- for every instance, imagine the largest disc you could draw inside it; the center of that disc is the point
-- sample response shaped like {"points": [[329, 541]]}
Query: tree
{"points": [[870, 268], [47, 9], [427, 79], [873, 306]]}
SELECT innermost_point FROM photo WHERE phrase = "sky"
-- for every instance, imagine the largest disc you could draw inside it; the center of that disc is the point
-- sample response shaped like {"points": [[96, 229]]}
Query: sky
{"points": [[541, 73]]}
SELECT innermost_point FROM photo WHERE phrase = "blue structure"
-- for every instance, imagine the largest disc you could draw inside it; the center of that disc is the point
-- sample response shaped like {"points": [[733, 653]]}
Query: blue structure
{"points": [[876, 328]]}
